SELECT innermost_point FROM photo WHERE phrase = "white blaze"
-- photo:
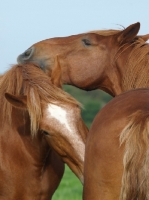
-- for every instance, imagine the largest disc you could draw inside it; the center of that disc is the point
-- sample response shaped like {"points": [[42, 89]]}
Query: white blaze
{"points": [[60, 114], [63, 116]]}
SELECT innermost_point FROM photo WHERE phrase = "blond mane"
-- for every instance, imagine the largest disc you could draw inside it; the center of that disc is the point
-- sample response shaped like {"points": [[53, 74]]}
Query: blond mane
{"points": [[31, 81]]}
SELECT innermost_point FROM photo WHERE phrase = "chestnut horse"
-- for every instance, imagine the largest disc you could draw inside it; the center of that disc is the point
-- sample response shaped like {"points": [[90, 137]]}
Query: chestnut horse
{"points": [[112, 60], [117, 150], [40, 129]]}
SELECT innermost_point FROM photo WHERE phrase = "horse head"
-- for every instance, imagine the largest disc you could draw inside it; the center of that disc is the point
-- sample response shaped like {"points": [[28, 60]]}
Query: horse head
{"points": [[85, 60], [63, 129]]}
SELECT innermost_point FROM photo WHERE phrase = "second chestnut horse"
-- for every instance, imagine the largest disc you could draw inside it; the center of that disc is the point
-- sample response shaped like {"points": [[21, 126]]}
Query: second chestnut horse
{"points": [[117, 150]]}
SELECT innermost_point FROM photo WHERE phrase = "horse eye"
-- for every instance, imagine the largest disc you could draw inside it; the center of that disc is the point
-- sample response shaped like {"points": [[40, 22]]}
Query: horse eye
{"points": [[45, 133], [86, 42]]}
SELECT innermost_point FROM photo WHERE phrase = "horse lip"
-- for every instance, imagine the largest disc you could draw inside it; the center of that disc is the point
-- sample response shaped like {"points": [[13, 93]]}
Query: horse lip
{"points": [[40, 63], [20, 60]]}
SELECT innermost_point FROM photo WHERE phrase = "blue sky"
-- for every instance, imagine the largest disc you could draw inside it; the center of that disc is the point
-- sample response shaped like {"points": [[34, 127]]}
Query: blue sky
{"points": [[22, 23]]}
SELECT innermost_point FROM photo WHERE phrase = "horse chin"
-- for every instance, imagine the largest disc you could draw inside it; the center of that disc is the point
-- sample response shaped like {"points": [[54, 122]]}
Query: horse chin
{"points": [[77, 169], [78, 172], [46, 66], [40, 63]]}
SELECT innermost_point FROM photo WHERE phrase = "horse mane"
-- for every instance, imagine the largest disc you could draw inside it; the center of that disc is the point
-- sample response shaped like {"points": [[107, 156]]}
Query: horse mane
{"points": [[31, 81], [136, 64]]}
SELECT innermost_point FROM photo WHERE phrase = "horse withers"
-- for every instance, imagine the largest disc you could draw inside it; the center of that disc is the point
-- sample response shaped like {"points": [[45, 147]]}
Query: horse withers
{"points": [[41, 129]]}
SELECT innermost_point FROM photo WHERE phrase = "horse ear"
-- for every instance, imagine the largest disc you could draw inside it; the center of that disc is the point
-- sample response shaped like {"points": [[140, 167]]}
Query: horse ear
{"points": [[56, 74], [144, 37], [129, 33], [17, 101]]}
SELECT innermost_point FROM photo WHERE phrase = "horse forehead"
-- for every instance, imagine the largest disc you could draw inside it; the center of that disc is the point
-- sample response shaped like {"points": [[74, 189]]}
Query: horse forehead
{"points": [[56, 111]]}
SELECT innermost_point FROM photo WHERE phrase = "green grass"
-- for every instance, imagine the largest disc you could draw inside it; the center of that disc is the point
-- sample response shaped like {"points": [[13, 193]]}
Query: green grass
{"points": [[70, 187]]}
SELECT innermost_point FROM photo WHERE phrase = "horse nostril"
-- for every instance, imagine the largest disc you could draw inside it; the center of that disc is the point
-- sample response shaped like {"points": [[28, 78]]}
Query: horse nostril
{"points": [[26, 55], [27, 52]]}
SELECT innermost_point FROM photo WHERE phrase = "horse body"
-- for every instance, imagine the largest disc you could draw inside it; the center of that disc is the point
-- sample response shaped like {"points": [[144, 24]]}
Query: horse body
{"points": [[107, 60], [112, 162], [32, 151]]}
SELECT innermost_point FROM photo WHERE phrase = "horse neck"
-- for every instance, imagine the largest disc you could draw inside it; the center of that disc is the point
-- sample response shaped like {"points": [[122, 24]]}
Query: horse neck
{"points": [[133, 67]]}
